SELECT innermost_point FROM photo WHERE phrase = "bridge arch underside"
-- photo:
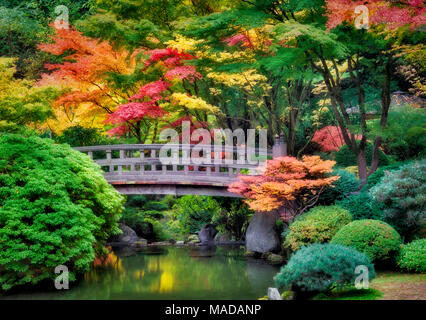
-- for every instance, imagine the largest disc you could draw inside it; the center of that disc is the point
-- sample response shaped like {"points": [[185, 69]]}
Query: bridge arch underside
{"points": [[194, 186], [177, 190]]}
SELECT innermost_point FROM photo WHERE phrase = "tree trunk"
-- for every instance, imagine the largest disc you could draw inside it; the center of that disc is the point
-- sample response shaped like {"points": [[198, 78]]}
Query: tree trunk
{"points": [[386, 101], [362, 167]]}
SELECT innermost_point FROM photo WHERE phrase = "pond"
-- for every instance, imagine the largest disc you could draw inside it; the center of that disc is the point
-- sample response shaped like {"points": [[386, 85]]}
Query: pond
{"points": [[171, 273]]}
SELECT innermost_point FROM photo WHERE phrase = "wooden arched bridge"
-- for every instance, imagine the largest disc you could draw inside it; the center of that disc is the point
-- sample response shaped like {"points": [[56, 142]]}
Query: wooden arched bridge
{"points": [[142, 169]]}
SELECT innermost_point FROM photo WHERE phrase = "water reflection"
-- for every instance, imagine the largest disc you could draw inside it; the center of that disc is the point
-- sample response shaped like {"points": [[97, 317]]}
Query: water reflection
{"points": [[171, 273]]}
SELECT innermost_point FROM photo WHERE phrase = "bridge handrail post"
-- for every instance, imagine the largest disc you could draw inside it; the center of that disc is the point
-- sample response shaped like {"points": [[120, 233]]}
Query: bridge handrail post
{"points": [[109, 158], [142, 158], [280, 147]]}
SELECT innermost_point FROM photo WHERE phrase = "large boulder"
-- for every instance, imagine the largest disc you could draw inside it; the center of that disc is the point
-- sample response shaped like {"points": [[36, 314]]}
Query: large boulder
{"points": [[207, 234], [128, 236], [261, 235]]}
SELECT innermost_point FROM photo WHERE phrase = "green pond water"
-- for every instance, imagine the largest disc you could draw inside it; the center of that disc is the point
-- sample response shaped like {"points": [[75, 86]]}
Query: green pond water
{"points": [[170, 273]]}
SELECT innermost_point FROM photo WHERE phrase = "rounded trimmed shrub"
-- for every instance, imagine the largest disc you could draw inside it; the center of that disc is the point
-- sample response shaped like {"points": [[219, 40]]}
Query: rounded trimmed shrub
{"points": [[378, 240], [362, 206], [319, 225], [56, 208], [346, 158], [347, 183], [412, 256], [322, 267], [402, 193]]}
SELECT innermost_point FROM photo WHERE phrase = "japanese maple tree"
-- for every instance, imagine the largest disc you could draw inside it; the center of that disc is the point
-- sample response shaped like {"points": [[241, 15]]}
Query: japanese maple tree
{"points": [[330, 138], [140, 112], [288, 185], [144, 110], [86, 62]]}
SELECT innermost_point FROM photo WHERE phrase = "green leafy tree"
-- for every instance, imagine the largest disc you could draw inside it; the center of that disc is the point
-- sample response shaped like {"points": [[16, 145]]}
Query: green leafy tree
{"points": [[21, 104], [43, 11], [342, 56], [233, 218], [193, 212], [346, 158], [143, 23], [79, 137], [405, 132]]}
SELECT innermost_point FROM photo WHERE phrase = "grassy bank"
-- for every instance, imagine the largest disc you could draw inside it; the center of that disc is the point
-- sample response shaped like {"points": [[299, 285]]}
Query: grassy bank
{"points": [[386, 286]]}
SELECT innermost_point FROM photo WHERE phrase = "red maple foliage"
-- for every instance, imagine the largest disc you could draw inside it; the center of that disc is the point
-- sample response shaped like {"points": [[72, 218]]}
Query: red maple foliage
{"points": [[130, 115], [169, 56], [153, 91], [183, 73], [145, 104], [393, 14], [193, 125], [238, 39], [330, 138], [173, 60], [288, 185]]}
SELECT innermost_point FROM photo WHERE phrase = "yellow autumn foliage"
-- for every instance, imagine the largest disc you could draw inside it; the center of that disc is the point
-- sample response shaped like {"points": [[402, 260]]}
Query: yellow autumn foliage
{"points": [[193, 103]]}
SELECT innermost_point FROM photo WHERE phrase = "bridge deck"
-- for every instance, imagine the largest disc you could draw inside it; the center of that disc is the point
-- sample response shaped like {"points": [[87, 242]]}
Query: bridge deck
{"points": [[138, 169]]}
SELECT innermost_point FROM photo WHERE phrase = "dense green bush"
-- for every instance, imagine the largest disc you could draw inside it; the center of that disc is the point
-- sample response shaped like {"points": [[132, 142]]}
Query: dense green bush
{"points": [[362, 206], [346, 158], [79, 136], [377, 175], [378, 240], [147, 217], [156, 206], [347, 183], [402, 193], [319, 225], [233, 218], [191, 213], [405, 132], [322, 267], [412, 256], [55, 209], [140, 221], [136, 201]]}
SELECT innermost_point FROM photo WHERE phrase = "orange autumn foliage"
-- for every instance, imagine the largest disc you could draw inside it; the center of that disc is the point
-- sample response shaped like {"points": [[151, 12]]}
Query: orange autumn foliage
{"points": [[86, 63], [288, 185]]}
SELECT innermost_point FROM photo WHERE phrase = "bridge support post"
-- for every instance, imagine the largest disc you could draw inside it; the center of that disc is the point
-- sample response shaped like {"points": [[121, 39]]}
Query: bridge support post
{"points": [[280, 147]]}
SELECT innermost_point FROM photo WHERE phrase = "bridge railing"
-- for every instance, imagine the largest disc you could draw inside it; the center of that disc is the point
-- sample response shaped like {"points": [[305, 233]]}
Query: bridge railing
{"points": [[157, 159]]}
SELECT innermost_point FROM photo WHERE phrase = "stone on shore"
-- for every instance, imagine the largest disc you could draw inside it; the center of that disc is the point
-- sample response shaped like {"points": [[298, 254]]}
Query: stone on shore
{"points": [[261, 235]]}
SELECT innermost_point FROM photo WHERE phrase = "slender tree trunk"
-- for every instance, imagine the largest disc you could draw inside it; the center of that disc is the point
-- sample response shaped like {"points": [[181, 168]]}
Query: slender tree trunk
{"points": [[362, 167], [386, 101]]}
